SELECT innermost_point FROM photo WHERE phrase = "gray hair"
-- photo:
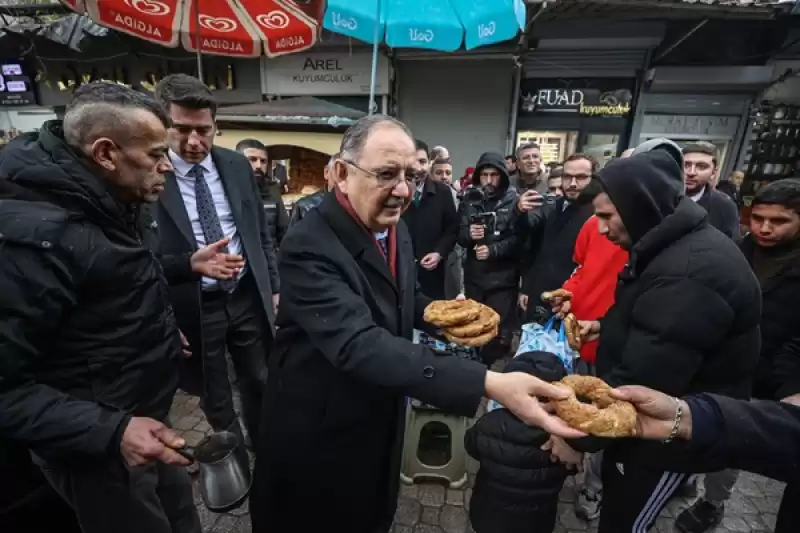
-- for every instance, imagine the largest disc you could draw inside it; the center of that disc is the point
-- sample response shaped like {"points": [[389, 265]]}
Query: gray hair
{"points": [[332, 160], [356, 136], [526, 146], [103, 109], [438, 151]]}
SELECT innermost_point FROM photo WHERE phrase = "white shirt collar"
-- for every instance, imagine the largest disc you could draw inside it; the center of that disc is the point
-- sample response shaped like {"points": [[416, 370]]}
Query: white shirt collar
{"points": [[382, 235], [183, 168], [699, 195]]}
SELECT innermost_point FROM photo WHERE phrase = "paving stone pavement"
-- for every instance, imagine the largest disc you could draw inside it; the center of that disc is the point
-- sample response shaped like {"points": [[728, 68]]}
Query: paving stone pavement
{"points": [[432, 508]]}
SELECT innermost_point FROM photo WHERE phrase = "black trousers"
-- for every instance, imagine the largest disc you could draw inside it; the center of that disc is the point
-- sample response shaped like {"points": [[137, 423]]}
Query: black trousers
{"points": [[40, 512], [235, 323], [789, 513], [109, 496], [504, 302], [633, 496]]}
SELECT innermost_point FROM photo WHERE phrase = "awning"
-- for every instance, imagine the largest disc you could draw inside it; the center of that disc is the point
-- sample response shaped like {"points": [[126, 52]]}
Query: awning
{"points": [[326, 143], [305, 110]]}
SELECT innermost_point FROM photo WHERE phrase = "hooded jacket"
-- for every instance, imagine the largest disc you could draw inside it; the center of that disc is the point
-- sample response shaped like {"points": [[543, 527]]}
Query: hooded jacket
{"points": [[687, 307], [305, 204], [517, 486], [501, 270], [88, 337]]}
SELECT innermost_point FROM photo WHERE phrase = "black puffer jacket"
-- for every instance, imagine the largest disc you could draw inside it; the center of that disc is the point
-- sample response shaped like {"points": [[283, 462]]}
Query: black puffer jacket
{"points": [[687, 308], [501, 270], [277, 219], [304, 205], [87, 336], [516, 489], [778, 373]]}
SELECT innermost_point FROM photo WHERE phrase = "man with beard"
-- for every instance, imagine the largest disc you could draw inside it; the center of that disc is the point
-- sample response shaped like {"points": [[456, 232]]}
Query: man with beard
{"points": [[530, 174], [277, 216], [773, 250], [700, 170], [433, 224], [307, 203], [344, 364], [550, 232], [89, 346], [685, 320], [487, 233]]}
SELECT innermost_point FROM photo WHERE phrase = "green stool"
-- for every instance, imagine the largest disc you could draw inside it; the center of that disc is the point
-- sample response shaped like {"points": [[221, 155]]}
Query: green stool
{"points": [[438, 438]]}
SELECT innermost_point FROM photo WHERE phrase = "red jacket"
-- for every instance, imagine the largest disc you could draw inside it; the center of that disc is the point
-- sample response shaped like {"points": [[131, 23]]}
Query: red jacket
{"points": [[593, 283]]}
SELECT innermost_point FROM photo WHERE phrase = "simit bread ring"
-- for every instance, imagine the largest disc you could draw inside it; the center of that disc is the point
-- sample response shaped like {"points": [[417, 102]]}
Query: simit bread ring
{"points": [[472, 342], [573, 331], [549, 296], [446, 313], [487, 320], [604, 417]]}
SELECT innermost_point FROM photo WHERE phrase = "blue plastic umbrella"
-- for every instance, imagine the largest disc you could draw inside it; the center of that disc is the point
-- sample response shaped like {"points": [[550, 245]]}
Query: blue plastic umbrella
{"points": [[442, 25]]}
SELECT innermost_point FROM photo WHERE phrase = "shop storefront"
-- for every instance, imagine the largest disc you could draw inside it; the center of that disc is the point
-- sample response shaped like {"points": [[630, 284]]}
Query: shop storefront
{"points": [[19, 110], [578, 89], [462, 101], [233, 81], [565, 116], [690, 104]]}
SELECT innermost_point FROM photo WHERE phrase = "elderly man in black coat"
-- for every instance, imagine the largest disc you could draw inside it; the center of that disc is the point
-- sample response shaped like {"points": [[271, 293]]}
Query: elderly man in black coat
{"points": [[344, 364], [685, 319]]}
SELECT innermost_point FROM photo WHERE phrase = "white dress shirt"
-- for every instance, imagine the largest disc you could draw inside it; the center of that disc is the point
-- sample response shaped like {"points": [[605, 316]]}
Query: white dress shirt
{"points": [[224, 212], [696, 197]]}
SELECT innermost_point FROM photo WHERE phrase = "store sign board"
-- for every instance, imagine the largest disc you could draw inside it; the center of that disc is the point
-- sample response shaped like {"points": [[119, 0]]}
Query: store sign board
{"points": [[587, 101], [16, 86], [692, 125], [324, 74]]}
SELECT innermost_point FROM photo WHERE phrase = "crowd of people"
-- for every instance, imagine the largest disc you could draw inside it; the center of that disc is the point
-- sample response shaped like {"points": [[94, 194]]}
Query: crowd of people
{"points": [[137, 258]]}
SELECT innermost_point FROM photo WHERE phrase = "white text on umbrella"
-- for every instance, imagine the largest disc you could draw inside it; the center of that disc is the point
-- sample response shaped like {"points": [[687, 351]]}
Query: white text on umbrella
{"points": [[149, 7], [343, 22], [425, 36]]}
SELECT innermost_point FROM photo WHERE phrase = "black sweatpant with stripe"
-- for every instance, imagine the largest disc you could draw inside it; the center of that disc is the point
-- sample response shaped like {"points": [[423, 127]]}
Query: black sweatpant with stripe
{"points": [[633, 495]]}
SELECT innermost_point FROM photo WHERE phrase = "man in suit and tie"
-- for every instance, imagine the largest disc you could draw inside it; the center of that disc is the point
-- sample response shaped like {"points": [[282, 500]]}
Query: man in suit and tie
{"points": [[211, 195]]}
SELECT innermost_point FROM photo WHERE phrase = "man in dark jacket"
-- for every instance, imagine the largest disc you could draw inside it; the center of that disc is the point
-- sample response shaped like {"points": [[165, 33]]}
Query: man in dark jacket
{"points": [[432, 221], [344, 364], [773, 250], [685, 318], [89, 345], [488, 234], [209, 195], [700, 169], [304, 205], [550, 232], [277, 215]]}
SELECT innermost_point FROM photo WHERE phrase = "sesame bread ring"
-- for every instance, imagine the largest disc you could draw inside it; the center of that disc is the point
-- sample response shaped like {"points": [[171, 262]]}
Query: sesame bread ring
{"points": [[573, 330], [604, 417], [549, 296], [487, 320], [472, 342], [447, 313]]}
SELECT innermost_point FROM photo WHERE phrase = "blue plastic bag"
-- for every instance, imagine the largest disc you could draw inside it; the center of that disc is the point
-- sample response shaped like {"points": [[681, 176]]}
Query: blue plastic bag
{"points": [[548, 338]]}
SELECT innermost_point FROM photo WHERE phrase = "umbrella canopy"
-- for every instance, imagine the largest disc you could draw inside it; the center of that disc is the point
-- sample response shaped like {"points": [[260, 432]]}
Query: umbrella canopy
{"points": [[241, 28], [442, 25]]}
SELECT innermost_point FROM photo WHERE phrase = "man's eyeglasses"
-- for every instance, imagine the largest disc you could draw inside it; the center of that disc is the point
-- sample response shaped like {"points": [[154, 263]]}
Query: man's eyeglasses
{"points": [[579, 178], [388, 178]]}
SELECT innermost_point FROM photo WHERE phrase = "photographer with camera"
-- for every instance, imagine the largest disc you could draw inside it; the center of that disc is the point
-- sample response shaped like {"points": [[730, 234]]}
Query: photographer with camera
{"points": [[491, 269]]}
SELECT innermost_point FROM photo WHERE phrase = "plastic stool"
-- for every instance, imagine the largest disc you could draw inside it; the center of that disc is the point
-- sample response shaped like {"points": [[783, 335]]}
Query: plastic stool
{"points": [[454, 472]]}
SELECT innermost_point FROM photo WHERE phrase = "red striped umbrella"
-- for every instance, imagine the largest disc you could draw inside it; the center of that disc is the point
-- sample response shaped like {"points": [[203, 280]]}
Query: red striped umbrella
{"points": [[241, 28]]}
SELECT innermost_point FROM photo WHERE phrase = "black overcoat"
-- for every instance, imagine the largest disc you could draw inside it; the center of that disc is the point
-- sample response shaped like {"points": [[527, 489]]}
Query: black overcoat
{"points": [[342, 368]]}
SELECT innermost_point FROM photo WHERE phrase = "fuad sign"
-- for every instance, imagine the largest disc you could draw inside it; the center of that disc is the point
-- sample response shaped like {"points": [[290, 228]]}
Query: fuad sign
{"points": [[587, 101], [324, 74]]}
